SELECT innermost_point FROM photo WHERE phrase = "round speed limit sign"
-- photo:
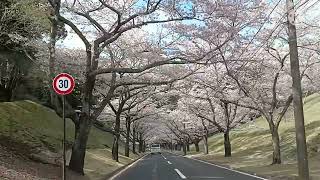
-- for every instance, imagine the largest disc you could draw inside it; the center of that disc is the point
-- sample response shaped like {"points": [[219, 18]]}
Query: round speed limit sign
{"points": [[63, 84]]}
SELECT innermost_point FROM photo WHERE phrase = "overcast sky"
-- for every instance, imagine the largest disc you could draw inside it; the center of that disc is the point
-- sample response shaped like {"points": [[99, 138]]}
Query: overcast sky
{"points": [[309, 12]]}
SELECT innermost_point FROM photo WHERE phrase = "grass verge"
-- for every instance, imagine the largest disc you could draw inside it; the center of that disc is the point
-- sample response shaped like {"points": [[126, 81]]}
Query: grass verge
{"points": [[252, 145], [28, 127]]}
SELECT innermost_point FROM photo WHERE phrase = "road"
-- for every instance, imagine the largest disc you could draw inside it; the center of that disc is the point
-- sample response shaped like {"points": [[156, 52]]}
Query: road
{"points": [[167, 166]]}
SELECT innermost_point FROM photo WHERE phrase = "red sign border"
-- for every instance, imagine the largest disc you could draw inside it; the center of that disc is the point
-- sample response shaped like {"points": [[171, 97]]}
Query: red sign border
{"points": [[69, 91]]}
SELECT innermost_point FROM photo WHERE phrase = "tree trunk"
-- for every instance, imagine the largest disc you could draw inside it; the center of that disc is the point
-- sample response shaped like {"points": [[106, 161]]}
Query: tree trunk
{"points": [[196, 144], [127, 149], [184, 149], [144, 146], [14, 76], [302, 151], [140, 142], [52, 51], [134, 140], [115, 146], [227, 144], [79, 147], [171, 146], [85, 122], [205, 143], [53, 36], [76, 129], [188, 147], [276, 159]]}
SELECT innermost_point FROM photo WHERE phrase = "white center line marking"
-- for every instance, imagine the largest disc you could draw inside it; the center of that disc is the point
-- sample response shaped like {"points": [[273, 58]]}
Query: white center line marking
{"points": [[205, 177], [169, 162], [180, 174], [164, 157]]}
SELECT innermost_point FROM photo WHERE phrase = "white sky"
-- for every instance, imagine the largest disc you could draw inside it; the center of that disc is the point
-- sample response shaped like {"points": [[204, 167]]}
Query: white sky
{"points": [[74, 42], [310, 12]]}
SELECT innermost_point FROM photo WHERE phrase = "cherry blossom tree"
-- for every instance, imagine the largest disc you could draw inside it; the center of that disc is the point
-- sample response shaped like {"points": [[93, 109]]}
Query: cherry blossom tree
{"points": [[99, 34], [208, 99], [104, 32], [264, 84], [141, 109], [129, 105]]}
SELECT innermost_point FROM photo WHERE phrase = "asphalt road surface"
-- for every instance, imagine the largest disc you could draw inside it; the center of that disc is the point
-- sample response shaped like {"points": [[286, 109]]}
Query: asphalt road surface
{"points": [[167, 166]]}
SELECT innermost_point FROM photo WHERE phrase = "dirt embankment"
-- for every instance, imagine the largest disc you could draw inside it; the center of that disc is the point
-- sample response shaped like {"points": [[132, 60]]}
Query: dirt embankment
{"points": [[16, 166]]}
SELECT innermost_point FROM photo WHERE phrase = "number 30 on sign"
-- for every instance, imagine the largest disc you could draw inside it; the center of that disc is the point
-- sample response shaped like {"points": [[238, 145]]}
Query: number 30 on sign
{"points": [[63, 84]]}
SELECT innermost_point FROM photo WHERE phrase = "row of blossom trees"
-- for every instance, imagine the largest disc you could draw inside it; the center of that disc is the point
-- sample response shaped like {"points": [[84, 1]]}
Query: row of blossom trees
{"points": [[209, 67], [249, 78]]}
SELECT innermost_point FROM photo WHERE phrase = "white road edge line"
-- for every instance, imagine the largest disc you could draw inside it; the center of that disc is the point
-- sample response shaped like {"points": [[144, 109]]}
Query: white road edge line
{"points": [[180, 174], [126, 168], [169, 162], [228, 169]]}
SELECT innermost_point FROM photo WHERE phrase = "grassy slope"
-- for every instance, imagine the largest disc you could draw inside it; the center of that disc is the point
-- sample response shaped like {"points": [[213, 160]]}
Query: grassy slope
{"points": [[252, 148], [99, 162], [29, 124], [35, 125]]}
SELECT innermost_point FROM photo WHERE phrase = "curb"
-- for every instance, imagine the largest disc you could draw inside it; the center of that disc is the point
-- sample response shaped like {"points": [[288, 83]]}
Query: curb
{"points": [[119, 170]]}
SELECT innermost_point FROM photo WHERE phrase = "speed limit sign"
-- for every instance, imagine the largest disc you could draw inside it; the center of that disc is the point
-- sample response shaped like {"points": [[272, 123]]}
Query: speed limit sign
{"points": [[63, 84]]}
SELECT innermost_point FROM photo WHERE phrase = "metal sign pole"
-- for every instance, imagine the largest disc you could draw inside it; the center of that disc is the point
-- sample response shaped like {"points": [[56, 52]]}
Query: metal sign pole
{"points": [[63, 84], [64, 138]]}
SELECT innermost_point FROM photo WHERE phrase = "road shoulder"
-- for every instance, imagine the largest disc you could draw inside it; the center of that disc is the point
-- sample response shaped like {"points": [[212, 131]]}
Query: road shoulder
{"points": [[122, 169], [222, 166]]}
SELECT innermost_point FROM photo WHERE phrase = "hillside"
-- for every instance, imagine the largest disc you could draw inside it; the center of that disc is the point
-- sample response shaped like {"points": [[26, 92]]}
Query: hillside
{"points": [[252, 148], [32, 130], [26, 122]]}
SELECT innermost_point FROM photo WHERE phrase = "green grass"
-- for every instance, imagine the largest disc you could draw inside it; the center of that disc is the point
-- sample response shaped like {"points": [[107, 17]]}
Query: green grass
{"points": [[252, 145], [28, 123], [99, 163], [30, 126]]}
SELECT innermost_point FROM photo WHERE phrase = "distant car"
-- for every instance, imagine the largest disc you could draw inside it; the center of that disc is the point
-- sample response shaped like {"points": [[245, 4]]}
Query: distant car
{"points": [[155, 149]]}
